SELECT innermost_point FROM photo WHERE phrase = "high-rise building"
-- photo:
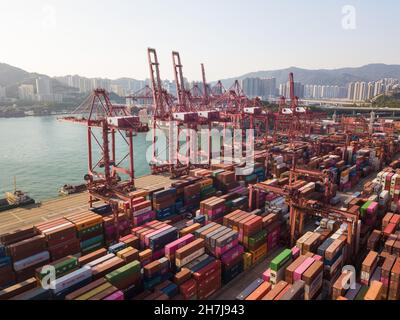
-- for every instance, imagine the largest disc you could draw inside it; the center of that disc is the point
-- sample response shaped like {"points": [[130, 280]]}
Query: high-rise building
{"points": [[251, 86], [43, 86], [284, 90], [26, 92], [119, 90], [363, 91], [268, 88], [370, 91], [351, 91], [259, 87]]}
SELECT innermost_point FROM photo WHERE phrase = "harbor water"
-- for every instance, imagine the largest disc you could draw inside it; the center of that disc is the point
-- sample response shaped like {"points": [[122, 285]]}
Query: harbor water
{"points": [[44, 154]]}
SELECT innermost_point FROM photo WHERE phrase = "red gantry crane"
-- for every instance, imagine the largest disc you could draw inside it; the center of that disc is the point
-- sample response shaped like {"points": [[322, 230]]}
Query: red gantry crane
{"points": [[110, 178]]}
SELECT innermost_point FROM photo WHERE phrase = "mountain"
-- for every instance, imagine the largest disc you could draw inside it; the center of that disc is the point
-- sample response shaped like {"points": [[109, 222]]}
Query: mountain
{"points": [[11, 77], [341, 77]]}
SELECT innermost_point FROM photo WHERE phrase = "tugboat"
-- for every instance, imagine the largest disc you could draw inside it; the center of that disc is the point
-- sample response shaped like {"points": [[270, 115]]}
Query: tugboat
{"points": [[71, 189], [15, 199]]}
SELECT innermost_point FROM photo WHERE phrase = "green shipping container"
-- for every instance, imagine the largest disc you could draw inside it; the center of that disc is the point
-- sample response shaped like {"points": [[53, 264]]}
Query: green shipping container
{"points": [[63, 267], [280, 260], [92, 241], [90, 229], [258, 239], [361, 294], [92, 248], [363, 209], [125, 271], [217, 172]]}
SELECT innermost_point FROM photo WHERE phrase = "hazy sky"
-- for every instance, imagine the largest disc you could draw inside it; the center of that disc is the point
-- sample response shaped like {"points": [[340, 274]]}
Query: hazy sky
{"points": [[98, 38]]}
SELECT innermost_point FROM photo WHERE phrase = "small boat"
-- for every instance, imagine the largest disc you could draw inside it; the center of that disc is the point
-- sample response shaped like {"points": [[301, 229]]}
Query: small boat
{"points": [[14, 200], [71, 189]]}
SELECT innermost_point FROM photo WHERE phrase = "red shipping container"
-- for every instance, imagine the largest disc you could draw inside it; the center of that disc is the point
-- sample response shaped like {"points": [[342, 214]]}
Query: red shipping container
{"points": [[188, 289], [206, 292], [65, 249], [213, 278], [253, 226], [207, 270]]}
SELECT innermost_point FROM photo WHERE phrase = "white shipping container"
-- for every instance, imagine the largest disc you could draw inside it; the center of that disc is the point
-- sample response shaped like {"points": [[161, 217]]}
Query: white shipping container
{"points": [[72, 278], [100, 260], [253, 110], [384, 198], [31, 261], [189, 258]]}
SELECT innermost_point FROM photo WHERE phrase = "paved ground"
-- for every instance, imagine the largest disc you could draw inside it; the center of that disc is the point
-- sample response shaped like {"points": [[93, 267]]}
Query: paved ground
{"points": [[27, 216]]}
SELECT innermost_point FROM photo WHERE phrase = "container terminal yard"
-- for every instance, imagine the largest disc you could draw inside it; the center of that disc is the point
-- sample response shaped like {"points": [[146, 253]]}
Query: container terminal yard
{"points": [[315, 217]]}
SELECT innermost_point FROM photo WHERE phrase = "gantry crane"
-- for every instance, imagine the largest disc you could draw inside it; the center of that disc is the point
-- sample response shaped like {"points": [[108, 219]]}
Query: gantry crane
{"points": [[105, 122]]}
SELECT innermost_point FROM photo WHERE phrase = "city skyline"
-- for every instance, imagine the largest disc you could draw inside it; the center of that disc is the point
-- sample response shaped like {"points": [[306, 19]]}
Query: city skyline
{"points": [[112, 43]]}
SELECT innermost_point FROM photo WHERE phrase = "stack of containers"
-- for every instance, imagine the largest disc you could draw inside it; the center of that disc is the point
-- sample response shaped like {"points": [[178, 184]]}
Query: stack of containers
{"points": [[244, 295], [128, 254], [110, 226], [390, 223], [259, 171], [189, 252], [172, 247], [156, 272], [313, 278], [278, 265], [192, 196], [155, 236], [206, 272], [104, 265], [386, 271], [142, 212], [275, 204], [368, 267], [61, 237], [279, 166], [223, 243], [340, 287], [99, 289], [7, 275], [27, 255], [374, 240], [374, 292], [213, 209], [164, 203], [89, 228], [333, 252], [394, 284], [369, 213], [180, 198], [258, 198], [251, 233], [15, 291], [187, 285], [272, 225], [62, 267], [309, 242], [71, 282], [224, 180], [207, 188], [392, 244], [303, 274]]}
